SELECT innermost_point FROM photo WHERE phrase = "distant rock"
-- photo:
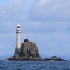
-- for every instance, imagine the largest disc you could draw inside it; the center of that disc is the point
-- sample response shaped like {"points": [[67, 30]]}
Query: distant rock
{"points": [[28, 51], [54, 58]]}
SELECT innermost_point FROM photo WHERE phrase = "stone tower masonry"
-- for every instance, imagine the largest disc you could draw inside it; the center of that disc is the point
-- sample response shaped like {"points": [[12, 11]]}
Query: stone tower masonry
{"points": [[18, 40]]}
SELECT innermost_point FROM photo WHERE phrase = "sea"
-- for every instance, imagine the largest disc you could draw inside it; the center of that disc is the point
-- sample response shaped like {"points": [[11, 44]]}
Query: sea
{"points": [[34, 65]]}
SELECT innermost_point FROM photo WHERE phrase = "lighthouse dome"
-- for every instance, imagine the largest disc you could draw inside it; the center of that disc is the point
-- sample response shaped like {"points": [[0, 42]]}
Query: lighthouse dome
{"points": [[18, 26]]}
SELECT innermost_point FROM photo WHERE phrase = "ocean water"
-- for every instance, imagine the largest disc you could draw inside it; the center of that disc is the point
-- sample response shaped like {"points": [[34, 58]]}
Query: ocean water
{"points": [[34, 65]]}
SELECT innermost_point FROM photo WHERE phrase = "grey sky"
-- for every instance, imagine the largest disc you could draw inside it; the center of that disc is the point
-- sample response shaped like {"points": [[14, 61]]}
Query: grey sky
{"points": [[46, 22]]}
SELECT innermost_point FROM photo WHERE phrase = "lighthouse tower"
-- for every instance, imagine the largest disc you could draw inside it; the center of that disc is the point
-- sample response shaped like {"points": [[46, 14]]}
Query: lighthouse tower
{"points": [[18, 40]]}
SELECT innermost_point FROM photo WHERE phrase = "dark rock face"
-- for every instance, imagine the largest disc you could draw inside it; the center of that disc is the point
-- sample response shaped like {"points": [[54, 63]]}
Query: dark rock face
{"points": [[28, 51], [26, 40]]}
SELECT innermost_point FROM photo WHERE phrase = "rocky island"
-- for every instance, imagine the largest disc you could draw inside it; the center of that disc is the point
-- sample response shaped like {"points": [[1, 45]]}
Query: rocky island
{"points": [[54, 58], [28, 51]]}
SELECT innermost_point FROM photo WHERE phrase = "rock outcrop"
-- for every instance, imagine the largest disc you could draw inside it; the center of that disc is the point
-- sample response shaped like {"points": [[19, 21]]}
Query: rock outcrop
{"points": [[28, 51], [54, 58]]}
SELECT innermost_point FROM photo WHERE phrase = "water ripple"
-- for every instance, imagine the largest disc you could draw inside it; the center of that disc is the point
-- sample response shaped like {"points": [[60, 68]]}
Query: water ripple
{"points": [[34, 65]]}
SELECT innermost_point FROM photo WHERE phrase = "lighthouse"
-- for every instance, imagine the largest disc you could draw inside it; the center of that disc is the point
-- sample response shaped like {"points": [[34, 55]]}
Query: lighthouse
{"points": [[18, 37]]}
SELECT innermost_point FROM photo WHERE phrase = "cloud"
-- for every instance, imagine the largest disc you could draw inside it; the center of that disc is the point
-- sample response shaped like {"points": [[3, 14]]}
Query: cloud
{"points": [[51, 11], [44, 1], [52, 20]]}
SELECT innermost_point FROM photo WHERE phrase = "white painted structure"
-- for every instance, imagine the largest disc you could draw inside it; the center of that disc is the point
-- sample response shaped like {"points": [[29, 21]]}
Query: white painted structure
{"points": [[18, 33]]}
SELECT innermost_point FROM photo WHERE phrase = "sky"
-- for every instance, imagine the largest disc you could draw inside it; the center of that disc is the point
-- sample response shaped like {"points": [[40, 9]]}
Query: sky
{"points": [[45, 22]]}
